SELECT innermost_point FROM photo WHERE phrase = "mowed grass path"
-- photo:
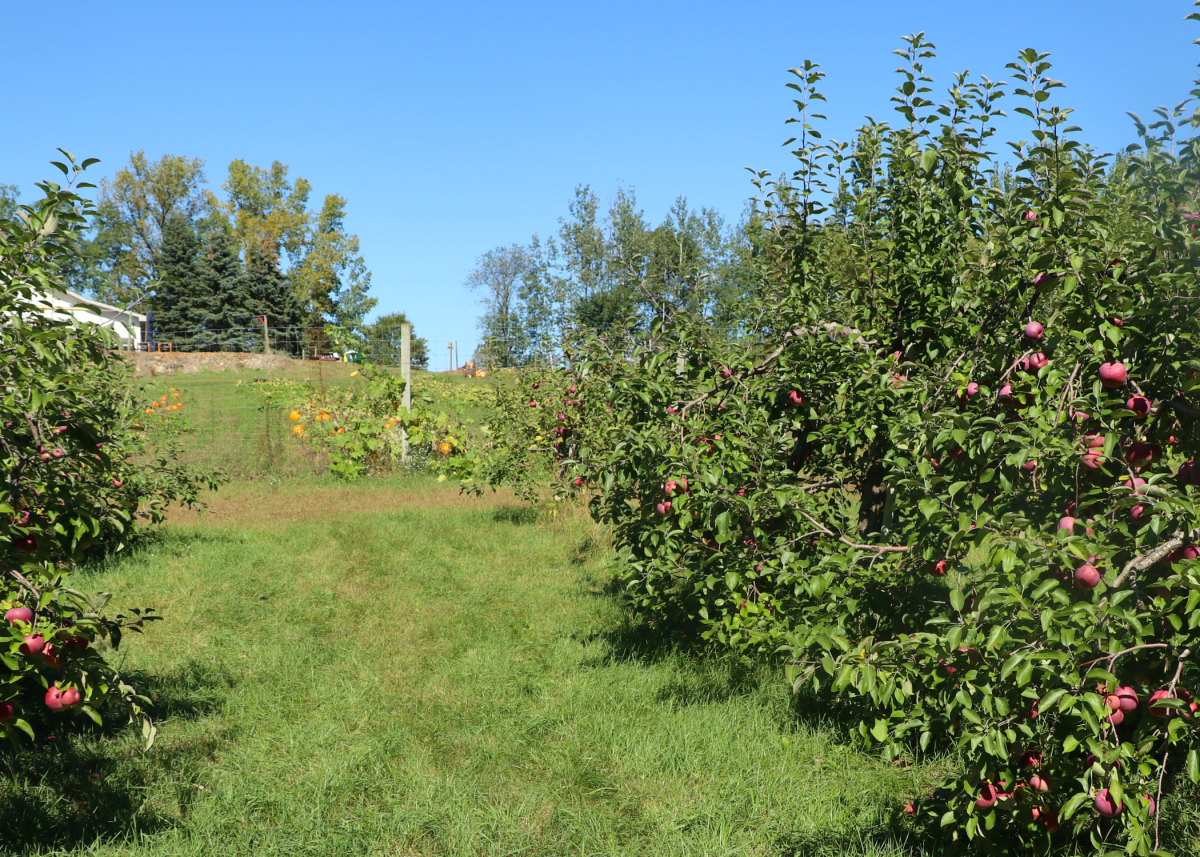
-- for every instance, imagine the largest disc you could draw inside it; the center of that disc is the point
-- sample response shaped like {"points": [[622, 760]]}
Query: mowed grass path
{"points": [[387, 668]]}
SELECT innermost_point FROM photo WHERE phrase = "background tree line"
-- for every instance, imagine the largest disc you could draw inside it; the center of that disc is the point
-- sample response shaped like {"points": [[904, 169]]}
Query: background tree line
{"points": [[607, 270], [210, 267]]}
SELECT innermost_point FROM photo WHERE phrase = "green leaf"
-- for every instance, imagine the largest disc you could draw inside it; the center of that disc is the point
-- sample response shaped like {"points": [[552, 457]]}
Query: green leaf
{"points": [[1072, 806], [879, 731], [24, 727], [1193, 765]]}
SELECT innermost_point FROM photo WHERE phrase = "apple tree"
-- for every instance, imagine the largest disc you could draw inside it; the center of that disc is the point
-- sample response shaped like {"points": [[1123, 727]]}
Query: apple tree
{"points": [[946, 471], [79, 478]]}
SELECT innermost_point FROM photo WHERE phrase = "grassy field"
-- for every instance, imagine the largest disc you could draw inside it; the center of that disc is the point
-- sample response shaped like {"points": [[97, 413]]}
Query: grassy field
{"points": [[224, 423], [388, 668]]}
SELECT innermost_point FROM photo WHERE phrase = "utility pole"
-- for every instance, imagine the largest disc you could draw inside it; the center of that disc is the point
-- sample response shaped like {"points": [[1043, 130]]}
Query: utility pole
{"points": [[406, 374], [266, 336], [450, 346]]}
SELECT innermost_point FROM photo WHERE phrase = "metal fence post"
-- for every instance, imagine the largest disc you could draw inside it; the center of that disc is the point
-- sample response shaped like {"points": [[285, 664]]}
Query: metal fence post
{"points": [[406, 374]]}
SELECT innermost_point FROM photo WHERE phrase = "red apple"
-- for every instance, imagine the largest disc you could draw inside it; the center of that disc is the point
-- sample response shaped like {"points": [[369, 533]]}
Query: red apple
{"points": [[1135, 484], [70, 697], [1149, 803], [33, 645], [725, 373], [938, 569], [18, 614], [1030, 759], [6, 711], [536, 385], [1034, 331], [1048, 816], [796, 398], [1029, 216], [1137, 512], [25, 544], [1189, 474], [1116, 717], [1189, 552], [1005, 392], [671, 487], [1038, 784], [1086, 576], [1127, 699], [1066, 523], [1038, 361], [1105, 805], [664, 508], [578, 481], [1118, 322], [1113, 375], [54, 699], [1140, 406], [987, 797], [1029, 465], [1161, 710], [1042, 278], [531, 404], [1140, 453]]}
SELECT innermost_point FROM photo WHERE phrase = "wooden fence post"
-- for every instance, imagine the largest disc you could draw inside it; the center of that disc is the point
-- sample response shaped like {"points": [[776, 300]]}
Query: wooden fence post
{"points": [[406, 374]]}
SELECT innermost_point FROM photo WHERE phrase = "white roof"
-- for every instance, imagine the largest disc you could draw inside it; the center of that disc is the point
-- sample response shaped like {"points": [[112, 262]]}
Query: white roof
{"points": [[60, 308], [68, 298]]}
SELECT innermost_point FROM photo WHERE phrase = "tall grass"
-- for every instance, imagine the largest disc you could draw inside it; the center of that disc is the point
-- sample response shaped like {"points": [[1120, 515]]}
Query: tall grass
{"points": [[389, 668]]}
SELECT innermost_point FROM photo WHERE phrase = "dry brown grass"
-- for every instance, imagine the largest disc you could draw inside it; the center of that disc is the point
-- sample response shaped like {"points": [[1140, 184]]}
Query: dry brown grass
{"points": [[261, 505]]}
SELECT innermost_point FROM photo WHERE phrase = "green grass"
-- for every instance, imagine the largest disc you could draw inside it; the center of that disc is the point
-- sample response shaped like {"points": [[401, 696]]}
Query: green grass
{"points": [[224, 424], [387, 668]]}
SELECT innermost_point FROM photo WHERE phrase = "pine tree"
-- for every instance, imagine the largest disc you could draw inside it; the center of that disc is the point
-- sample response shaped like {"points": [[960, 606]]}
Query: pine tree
{"points": [[178, 304], [269, 295], [227, 321]]}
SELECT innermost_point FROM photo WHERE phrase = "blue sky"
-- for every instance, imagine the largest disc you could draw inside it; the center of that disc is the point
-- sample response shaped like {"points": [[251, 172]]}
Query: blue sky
{"points": [[454, 127]]}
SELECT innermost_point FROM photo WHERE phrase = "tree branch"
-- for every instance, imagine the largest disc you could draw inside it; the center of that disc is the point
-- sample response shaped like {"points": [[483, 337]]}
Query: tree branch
{"points": [[1147, 560], [834, 535]]}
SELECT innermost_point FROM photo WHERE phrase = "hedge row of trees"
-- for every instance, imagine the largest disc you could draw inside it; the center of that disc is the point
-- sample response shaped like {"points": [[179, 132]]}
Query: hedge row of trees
{"points": [[214, 262], [607, 270]]}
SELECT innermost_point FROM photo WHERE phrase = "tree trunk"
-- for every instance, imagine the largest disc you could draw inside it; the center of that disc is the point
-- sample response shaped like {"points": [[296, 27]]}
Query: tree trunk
{"points": [[873, 491]]}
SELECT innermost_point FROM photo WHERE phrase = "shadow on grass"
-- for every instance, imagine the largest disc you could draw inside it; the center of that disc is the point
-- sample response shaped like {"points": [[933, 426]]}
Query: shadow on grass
{"points": [[166, 542], [517, 516], [894, 839], [79, 782]]}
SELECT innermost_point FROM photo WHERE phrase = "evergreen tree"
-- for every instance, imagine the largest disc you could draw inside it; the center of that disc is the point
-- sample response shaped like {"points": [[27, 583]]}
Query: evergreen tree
{"points": [[269, 295], [227, 322], [178, 304]]}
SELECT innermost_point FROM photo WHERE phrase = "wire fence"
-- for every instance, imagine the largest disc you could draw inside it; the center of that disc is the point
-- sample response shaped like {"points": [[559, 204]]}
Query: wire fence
{"points": [[441, 353]]}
